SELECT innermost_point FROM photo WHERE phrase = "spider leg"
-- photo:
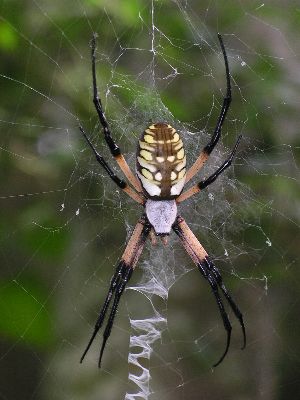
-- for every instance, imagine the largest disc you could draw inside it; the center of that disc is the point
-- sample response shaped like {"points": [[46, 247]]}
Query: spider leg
{"points": [[214, 287], [203, 184], [217, 132], [212, 275], [118, 282], [121, 183], [113, 147], [113, 284], [126, 274], [233, 306]]}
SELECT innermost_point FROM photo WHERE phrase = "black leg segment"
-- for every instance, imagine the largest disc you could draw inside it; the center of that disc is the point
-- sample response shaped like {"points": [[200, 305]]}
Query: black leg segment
{"points": [[125, 276], [118, 283], [122, 184], [114, 148], [211, 266], [226, 104], [226, 164], [202, 266], [113, 284], [210, 272]]}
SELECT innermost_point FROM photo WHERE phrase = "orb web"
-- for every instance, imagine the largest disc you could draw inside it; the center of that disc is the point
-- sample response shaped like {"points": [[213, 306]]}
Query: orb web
{"points": [[167, 333]]}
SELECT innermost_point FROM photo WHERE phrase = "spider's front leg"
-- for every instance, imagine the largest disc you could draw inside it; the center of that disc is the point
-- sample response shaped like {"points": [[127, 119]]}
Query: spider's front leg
{"points": [[212, 275], [118, 282]]}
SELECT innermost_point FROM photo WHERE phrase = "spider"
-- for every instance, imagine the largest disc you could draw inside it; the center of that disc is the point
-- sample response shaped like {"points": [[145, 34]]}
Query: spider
{"points": [[158, 186]]}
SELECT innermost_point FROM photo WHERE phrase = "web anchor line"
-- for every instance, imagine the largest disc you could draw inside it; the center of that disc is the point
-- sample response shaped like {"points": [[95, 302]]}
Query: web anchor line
{"points": [[147, 332]]}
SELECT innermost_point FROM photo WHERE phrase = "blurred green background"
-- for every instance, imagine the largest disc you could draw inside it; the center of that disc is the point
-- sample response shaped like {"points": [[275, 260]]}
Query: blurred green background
{"points": [[63, 224]]}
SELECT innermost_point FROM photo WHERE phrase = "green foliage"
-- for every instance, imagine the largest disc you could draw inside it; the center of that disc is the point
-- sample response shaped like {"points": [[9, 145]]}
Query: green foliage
{"points": [[8, 37], [126, 11], [25, 312]]}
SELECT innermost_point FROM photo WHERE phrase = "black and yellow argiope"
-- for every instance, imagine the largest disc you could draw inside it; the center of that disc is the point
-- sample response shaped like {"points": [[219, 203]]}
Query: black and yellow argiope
{"points": [[158, 184]]}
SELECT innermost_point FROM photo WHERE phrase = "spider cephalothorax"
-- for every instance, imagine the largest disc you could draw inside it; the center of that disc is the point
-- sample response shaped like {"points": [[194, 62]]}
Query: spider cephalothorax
{"points": [[158, 186]]}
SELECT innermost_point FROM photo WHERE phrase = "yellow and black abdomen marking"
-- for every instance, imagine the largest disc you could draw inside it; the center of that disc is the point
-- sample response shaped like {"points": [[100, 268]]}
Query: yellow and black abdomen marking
{"points": [[161, 162]]}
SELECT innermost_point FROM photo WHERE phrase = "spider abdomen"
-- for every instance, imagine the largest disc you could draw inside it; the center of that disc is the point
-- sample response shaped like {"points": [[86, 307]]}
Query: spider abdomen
{"points": [[161, 162]]}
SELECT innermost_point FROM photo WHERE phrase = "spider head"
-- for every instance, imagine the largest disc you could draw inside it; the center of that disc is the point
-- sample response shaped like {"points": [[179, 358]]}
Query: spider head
{"points": [[164, 239], [161, 214]]}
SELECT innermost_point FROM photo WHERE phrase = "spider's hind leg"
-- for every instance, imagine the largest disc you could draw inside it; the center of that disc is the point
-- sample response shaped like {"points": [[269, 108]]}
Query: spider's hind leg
{"points": [[205, 153], [119, 182], [208, 181], [113, 147]]}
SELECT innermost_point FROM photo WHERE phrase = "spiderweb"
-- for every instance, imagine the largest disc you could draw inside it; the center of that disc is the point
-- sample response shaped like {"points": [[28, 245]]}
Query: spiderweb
{"points": [[66, 223]]}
